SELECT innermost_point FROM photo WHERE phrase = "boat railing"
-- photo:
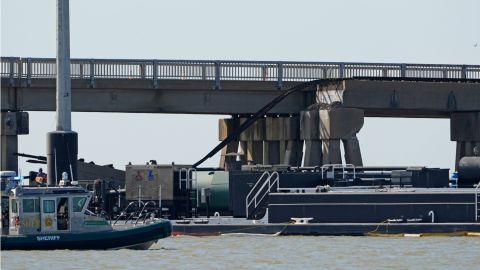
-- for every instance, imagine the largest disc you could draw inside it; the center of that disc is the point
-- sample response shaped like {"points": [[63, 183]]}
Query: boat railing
{"points": [[124, 212], [130, 217], [142, 211]]}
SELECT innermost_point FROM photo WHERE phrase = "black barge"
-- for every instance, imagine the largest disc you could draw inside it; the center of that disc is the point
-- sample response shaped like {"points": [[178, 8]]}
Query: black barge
{"points": [[326, 200], [286, 200]]}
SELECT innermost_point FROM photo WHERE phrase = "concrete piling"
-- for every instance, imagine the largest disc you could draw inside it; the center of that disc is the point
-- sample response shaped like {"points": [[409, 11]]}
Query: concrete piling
{"points": [[323, 129], [227, 126], [271, 140], [341, 124], [293, 153], [310, 133], [465, 130], [13, 124]]}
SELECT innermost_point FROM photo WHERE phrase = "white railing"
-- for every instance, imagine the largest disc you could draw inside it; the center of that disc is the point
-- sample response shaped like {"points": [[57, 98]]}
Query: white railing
{"points": [[217, 71], [266, 182]]}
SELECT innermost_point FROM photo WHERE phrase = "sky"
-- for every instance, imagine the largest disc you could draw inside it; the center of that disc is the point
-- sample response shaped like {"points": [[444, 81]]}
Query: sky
{"points": [[351, 31]]}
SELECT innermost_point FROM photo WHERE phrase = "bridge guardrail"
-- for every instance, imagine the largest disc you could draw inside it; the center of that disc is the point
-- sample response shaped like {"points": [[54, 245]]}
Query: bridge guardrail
{"points": [[217, 71]]}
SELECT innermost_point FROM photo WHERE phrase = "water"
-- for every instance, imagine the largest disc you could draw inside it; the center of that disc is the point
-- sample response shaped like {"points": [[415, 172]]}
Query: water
{"points": [[266, 252]]}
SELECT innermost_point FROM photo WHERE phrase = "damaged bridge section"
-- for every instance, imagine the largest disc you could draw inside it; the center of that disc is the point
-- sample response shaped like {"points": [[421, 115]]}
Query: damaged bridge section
{"points": [[344, 103]]}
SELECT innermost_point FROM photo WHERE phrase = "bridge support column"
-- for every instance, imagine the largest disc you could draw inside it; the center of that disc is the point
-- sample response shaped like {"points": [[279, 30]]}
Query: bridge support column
{"points": [[310, 133], [341, 124], [226, 127], [465, 130], [323, 130], [271, 152], [13, 124], [352, 151], [274, 135], [242, 152], [271, 140], [331, 152], [255, 152], [293, 145], [253, 138]]}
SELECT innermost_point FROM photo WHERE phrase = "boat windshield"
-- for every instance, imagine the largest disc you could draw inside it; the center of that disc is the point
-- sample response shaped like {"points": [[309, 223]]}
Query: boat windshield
{"points": [[78, 203]]}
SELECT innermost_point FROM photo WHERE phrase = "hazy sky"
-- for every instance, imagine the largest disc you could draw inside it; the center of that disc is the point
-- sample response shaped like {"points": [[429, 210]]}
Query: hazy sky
{"points": [[367, 31]]}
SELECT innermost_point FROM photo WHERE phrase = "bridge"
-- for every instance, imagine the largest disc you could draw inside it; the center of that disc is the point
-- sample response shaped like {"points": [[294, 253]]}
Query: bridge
{"points": [[209, 87], [240, 88]]}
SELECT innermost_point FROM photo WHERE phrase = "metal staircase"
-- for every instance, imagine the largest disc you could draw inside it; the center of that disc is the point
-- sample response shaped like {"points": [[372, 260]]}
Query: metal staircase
{"points": [[257, 197]]}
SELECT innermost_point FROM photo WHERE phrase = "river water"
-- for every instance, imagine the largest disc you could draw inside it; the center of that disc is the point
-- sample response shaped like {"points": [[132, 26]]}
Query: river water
{"points": [[266, 252]]}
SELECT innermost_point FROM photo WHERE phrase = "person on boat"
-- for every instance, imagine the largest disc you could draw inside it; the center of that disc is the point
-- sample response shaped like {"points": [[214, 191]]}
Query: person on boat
{"points": [[41, 177], [62, 214]]}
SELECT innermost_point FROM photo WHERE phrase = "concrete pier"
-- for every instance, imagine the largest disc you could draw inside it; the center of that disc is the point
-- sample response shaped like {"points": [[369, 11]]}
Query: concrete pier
{"points": [[271, 140], [310, 133], [253, 139], [274, 134], [353, 154], [13, 124], [341, 124], [271, 152], [225, 127], [293, 153], [242, 152], [465, 130], [255, 152], [331, 152], [324, 129]]}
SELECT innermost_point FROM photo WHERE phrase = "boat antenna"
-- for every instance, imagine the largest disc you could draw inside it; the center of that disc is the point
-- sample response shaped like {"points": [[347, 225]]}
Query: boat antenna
{"points": [[259, 114], [70, 163], [56, 181]]}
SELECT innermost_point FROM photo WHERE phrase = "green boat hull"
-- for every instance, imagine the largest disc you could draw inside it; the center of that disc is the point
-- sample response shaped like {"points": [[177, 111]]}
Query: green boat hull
{"points": [[137, 237]]}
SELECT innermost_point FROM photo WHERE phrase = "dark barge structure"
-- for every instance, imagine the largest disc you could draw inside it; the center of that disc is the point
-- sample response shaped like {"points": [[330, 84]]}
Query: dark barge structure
{"points": [[286, 200], [348, 200]]}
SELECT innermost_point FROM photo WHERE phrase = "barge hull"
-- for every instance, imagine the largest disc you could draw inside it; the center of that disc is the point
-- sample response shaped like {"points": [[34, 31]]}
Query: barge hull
{"points": [[328, 229]]}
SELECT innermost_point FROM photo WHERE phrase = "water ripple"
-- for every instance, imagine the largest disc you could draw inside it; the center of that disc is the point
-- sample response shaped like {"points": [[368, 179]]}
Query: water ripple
{"points": [[253, 252]]}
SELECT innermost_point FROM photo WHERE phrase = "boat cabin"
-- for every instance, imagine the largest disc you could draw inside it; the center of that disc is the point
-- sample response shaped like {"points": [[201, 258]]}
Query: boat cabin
{"points": [[40, 210]]}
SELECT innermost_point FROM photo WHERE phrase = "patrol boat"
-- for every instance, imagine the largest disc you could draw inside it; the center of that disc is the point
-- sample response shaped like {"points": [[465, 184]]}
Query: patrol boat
{"points": [[47, 218]]}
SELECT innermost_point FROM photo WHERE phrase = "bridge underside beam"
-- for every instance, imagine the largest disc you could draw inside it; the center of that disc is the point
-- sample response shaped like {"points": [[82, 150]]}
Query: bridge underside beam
{"points": [[377, 98], [421, 99], [137, 96]]}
